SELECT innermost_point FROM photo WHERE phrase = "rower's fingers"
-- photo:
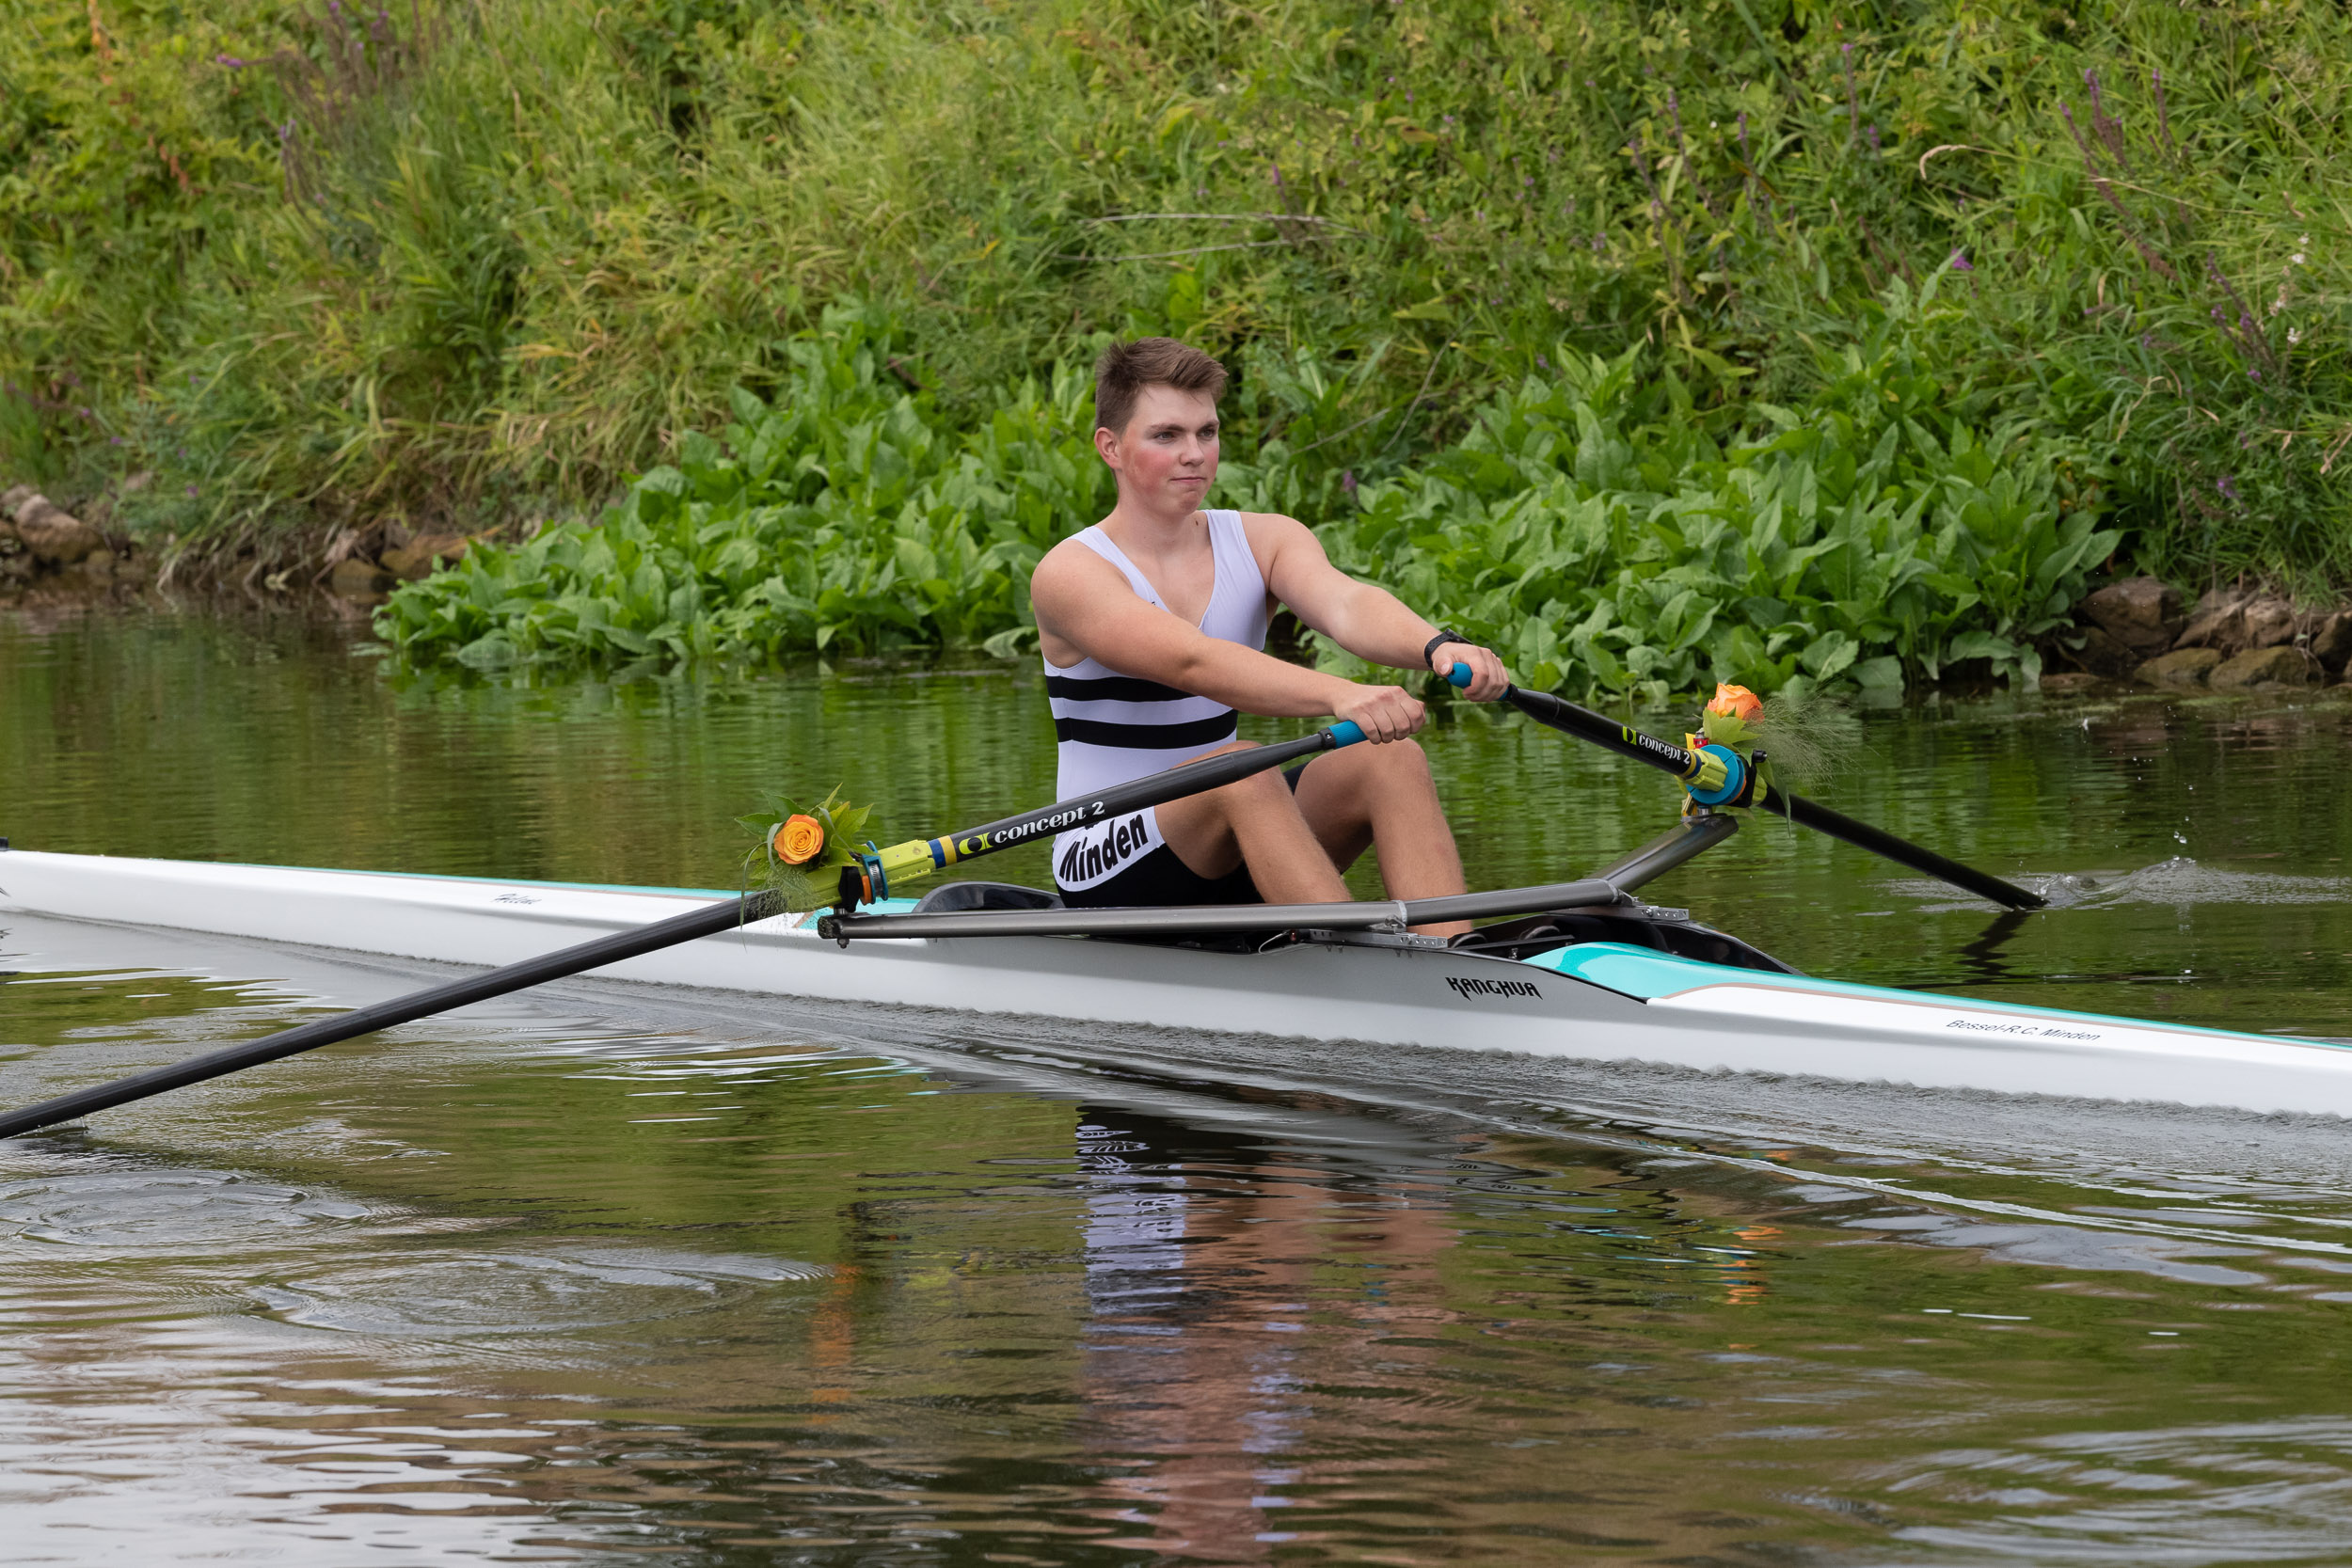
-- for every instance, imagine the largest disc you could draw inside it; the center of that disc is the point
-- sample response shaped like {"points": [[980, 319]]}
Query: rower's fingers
{"points": [[1489, 678]]}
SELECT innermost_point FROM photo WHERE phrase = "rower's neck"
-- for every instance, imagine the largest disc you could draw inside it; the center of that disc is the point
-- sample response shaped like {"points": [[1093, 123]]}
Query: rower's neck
{"points": [[1143, 533]]}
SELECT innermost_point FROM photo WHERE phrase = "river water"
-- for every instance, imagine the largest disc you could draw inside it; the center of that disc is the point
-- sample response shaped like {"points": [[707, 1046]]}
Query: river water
{"points": [[601, 1275]]}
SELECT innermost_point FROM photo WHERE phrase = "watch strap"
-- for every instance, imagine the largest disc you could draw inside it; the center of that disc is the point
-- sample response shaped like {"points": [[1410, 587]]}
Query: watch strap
{"points": [[1429, 654]]}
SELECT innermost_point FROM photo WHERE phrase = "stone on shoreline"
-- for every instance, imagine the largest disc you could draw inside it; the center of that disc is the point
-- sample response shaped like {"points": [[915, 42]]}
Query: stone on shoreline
{"points": [[55, 536], [357, 577], [415, 560], [2104, 654], [2234, 622], [2141, 613], [2331, 642], [2181, 667], [2277, 665]]}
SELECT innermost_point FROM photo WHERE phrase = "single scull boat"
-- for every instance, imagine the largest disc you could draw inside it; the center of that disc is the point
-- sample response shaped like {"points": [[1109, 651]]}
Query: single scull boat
{"points": [[1570, 969], [1591, 974]]}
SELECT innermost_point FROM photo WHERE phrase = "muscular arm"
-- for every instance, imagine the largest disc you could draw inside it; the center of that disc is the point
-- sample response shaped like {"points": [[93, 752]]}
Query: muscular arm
{"points": [[1365, 619], [1085, 608]]}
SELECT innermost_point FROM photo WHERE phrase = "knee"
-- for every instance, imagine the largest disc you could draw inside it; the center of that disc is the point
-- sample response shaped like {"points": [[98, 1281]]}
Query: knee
{"points": [[1257, 788], [1399, 759], [1261, 788]]}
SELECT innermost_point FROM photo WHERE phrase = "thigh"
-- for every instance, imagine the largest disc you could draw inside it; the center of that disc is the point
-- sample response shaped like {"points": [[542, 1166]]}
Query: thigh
{"points": [[1198, 830], [1331, 797]]}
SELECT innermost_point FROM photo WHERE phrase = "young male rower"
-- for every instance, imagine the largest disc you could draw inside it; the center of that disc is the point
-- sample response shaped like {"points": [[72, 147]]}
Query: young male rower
{"points": [[1152, 624]]}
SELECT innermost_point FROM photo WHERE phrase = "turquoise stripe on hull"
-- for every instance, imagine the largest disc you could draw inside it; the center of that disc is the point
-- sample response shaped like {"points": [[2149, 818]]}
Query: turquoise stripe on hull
{"points": [[1646, 975]]}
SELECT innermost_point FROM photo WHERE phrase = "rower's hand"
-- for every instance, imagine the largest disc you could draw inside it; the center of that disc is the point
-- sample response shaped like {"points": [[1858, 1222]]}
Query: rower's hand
{"points": [[1382, 712], [1489, 678]]}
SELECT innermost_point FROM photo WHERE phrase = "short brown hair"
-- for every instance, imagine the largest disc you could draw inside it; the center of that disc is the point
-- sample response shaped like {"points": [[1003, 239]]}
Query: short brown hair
{"points": [[1126, 368]]}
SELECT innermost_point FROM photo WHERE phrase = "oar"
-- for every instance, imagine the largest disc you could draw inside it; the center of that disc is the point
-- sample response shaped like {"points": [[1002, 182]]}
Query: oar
{"points": [[906, 862], [1717, 776]]}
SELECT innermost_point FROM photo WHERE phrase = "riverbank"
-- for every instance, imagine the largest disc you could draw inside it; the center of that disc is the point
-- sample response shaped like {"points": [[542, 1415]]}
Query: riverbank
{"points": [[2136, 633]]}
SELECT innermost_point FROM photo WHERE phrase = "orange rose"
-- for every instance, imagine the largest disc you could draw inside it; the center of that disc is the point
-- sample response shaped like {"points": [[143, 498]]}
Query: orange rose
{"points": [[1736, 702], [799, 840]]}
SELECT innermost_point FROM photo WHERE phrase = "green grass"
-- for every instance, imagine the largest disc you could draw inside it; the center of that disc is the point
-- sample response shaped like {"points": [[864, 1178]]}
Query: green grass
{"points": [[477, 263]]}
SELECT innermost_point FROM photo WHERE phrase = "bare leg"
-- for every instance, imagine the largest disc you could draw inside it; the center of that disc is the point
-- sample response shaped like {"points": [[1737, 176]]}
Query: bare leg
{"points": [[1383, 797], [1256, 822], [1364, 797]]}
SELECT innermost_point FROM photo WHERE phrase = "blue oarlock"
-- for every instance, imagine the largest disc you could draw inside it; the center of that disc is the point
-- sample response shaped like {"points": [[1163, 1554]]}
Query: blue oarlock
{"points": [[1735, 776]]}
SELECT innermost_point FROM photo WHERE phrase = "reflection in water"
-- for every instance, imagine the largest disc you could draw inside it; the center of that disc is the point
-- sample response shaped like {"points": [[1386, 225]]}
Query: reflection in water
{"points": [[605, 1275], [872, 1313], [1210, 1330]]}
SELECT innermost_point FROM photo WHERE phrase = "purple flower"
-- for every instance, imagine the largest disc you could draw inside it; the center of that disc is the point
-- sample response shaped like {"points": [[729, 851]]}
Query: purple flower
{"points": [[231, 61], [1347, 483], [191, 492], [1960, 261], [1542, 363], [2227, 484]]}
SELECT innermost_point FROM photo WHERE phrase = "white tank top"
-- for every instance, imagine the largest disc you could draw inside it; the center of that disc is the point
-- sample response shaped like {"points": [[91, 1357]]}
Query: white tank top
{"points": [[1113, 727]]}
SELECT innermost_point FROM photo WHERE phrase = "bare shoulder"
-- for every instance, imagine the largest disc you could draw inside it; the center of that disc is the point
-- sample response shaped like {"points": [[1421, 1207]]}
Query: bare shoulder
{"points": [[1274, 537], [1070, 562], [1273, 533], [1072, 583]]}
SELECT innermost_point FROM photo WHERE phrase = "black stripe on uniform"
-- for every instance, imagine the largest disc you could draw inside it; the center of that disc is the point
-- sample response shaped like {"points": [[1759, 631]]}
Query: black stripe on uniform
{"points": [[1112, 689], [1149, 737]]}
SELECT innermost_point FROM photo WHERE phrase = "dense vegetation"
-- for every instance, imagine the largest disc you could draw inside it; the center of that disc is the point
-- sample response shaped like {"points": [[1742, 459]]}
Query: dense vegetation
{"points": [[1589, 530], [1618, 329]]}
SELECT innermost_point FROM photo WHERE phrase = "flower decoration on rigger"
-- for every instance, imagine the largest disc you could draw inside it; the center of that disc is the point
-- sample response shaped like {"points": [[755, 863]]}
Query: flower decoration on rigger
{"points": [[802, 849], [1797, 731]]}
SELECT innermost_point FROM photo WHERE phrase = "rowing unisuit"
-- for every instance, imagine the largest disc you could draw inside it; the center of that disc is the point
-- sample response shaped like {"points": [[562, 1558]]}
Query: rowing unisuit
{"points": [[1113, 727]]}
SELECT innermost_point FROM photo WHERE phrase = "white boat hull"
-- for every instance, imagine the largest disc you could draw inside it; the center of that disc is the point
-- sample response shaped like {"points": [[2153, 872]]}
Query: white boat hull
{"points": [[1595, 1002]]}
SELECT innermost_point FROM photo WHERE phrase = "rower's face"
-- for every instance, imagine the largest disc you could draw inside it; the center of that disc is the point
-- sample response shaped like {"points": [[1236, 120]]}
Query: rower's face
{"points": [[1167, 452]]}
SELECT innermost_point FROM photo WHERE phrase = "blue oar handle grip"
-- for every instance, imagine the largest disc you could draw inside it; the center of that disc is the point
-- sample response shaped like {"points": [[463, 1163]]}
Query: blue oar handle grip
{"points": [[1344, 733]]}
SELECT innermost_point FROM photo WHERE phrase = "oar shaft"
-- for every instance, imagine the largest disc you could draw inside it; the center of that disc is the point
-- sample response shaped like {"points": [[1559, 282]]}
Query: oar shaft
{"points": [[1693, 768], [702, 921], [920, 857], [1838, 825], [1624, 739]]}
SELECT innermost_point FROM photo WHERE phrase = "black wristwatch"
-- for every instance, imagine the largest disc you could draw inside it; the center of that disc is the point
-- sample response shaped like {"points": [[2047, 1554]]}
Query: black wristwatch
{"points": [[1429, 655]]}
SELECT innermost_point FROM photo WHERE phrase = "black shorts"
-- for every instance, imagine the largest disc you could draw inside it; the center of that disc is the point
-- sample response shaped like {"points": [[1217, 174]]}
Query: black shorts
{"points": [[1160, 880]]}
